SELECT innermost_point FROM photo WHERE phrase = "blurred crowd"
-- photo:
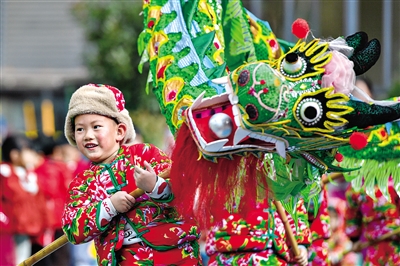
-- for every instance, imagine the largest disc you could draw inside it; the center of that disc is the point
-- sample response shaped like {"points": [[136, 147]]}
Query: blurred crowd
{"points": [[35, 175]]}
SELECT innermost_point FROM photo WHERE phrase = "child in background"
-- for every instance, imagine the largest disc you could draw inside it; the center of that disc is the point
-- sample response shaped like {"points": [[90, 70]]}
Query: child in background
{"points": [[22, 201], [126, 230], [365, 85], [53, 177]]}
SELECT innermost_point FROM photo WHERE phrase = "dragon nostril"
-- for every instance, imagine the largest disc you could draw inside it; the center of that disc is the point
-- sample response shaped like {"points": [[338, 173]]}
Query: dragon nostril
{"points": [[251, 110]]}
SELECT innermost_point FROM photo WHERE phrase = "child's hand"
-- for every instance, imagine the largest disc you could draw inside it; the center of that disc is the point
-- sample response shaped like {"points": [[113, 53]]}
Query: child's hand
{"points": [[145, 179], [122, 201], [302, 258]]}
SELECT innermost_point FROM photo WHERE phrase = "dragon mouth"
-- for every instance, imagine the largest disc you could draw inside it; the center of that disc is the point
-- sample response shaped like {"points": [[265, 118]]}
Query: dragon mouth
{"points": [[208, 117]]}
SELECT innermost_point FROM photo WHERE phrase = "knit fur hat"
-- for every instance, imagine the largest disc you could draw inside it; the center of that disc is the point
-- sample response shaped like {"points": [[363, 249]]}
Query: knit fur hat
{"points": [[101, 100]]}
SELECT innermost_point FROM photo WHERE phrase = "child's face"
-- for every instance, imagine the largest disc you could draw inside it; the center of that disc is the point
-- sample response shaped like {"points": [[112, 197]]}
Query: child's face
{"points": [[26, 158], [98, 137]]}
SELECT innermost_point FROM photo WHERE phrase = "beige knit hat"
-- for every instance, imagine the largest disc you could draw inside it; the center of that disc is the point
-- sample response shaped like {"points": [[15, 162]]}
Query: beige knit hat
{"points": [[102, 100]]}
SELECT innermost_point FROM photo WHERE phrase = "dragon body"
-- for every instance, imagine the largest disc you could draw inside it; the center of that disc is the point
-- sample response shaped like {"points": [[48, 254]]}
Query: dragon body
{"points": [[378, 162], [252, 114]]}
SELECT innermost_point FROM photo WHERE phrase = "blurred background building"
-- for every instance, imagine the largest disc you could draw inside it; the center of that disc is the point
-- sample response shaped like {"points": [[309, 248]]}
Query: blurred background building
{"points": [[41, 57], [42, 47]]}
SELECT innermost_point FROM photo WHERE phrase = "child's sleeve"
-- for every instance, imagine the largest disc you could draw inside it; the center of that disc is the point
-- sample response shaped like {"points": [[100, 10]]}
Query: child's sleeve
{"points": [[85, 215], [161, 164], [161, 191]]}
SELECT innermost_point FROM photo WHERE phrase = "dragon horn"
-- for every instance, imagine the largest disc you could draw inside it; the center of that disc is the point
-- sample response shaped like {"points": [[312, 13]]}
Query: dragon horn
{"points": [[366, 53], [365, 115]]}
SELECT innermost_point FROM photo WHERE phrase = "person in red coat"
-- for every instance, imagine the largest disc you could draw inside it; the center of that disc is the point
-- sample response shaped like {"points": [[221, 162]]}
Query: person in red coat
{"points": [[22, 201], [53, 177], [7, 249]]}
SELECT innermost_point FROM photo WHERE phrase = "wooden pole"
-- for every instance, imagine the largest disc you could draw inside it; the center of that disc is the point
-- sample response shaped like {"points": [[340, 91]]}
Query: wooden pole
{"points": [[332, 177], [44, 252], [59, 242], [377, 240], [288, 229], [283, 216]]}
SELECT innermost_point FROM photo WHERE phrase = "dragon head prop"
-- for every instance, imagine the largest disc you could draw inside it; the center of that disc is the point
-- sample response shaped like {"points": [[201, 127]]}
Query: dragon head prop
{"points": [[252, 114]]}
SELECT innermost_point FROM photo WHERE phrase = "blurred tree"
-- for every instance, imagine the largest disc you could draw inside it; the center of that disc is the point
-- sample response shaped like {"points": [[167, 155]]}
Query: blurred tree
{"points": [[395, 89], [111, 30]]}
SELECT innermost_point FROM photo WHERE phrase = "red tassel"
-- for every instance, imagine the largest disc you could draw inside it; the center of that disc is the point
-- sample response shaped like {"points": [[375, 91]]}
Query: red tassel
{"points": [[358, 140], [339, 157], [300, 28]]}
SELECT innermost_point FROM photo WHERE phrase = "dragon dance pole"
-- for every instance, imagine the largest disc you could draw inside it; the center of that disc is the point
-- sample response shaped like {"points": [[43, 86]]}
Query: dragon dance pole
{"points": [[332, 177], [288, 229], [61, 241], [395, 232]]}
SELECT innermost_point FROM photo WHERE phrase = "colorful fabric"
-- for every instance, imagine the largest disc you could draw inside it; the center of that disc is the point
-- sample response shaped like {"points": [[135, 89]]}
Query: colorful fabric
{"points": [[383, 253], [138, 254], [368, 219], [156, 224], [258, 238]]}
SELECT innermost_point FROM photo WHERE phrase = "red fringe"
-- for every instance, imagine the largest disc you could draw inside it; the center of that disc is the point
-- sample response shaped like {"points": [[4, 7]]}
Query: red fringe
{"points": [[206, 190]]}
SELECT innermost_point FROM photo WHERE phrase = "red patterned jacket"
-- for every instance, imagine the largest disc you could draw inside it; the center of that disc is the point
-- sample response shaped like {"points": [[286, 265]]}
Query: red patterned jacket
{"points": [[257, 239], [89, 213]]}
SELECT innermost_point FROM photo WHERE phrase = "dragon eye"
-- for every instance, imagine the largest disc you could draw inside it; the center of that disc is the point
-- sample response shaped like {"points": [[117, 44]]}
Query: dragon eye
{"points": [[221, 125], [293, 66], [309, 111]]}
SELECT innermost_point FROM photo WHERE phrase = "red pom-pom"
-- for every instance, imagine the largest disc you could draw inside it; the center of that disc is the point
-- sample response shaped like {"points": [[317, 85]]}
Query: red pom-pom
{"points": [[358, 140], [300, 28], [339, 157]]}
